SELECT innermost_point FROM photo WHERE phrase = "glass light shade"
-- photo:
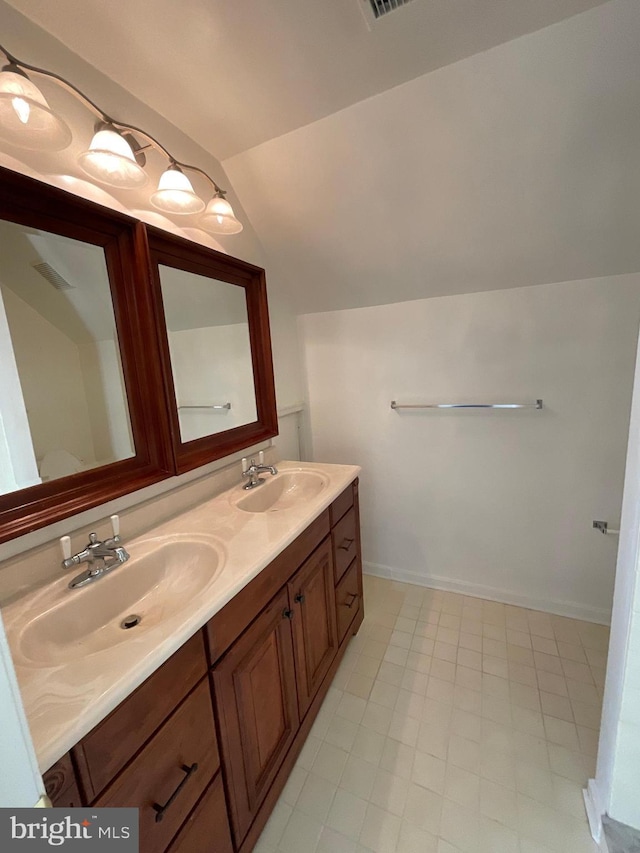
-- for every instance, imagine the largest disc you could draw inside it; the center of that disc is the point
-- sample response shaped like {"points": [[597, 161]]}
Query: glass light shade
{"points": [[110, 160], [219, 218], [175, 193], [26, 119]]}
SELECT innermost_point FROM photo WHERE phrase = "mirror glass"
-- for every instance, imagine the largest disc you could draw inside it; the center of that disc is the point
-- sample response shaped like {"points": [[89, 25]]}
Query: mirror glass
{"points": [[63, 405], [208, 332]]}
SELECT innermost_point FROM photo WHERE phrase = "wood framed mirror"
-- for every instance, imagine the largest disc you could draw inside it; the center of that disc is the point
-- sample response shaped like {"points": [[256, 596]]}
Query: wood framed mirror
{"points": [[82, 417], [215, 349]]}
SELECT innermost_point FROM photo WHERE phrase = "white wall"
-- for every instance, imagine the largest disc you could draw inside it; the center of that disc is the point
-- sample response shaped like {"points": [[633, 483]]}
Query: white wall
{"points": [[495, 503]]}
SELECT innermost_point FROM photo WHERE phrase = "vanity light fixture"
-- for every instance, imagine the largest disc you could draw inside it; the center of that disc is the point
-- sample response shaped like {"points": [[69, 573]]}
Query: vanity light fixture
{"points": [[175, 193], [26, 119], [115, 156], [219, 217], [110, 159]]}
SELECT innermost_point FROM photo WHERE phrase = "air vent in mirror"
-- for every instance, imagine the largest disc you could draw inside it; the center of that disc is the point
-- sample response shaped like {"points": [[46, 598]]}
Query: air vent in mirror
{"points": [[52, 276]]}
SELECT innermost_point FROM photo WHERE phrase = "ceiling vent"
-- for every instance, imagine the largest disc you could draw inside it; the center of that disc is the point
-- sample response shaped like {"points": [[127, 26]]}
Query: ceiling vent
{"points": [[379, 8], [54, 278]]}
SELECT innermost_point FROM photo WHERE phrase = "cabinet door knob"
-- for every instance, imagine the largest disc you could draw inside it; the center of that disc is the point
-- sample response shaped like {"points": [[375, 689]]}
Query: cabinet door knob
{"points": [[299, 599], [353, 598], [287, 614], [160, 810], [346, 544]]}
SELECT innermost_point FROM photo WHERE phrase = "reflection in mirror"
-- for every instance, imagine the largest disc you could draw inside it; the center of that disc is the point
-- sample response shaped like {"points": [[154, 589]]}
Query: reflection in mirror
{"points": [[208, 332], [63, 407]]}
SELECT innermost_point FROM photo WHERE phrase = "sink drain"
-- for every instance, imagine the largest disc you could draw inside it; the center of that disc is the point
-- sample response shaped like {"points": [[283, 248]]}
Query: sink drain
{"points": [[131, 621]]}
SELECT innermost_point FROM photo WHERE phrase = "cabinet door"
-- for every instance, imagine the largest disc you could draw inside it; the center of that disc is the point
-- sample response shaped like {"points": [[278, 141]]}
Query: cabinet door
{"points": [[312, 598], [255, 697]]}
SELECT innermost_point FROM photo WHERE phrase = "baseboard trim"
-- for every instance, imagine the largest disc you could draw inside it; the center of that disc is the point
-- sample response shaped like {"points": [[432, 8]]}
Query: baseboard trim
{"points": [[559, 608], [595, 811]]}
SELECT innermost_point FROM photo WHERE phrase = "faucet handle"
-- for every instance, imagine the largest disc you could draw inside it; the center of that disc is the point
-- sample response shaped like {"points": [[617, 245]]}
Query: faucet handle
{"points": [[115, 525], [65, 547]]}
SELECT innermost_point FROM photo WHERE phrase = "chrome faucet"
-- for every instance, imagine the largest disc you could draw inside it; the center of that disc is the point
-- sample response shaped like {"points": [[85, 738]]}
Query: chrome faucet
{"points": [[102, 557], [253, 471]]}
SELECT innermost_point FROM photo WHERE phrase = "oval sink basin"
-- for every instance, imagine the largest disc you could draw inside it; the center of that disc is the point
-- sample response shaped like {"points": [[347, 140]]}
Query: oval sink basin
{"points": [[286, 490], [162, 576]]}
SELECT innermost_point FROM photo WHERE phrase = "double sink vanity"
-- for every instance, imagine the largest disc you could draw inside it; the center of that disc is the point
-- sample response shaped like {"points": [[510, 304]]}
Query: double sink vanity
{"points": [[245, 605]]}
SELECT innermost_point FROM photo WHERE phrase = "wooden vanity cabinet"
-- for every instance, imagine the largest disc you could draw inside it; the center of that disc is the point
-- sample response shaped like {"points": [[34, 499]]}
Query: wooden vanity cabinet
{"points": [[213, 772]]}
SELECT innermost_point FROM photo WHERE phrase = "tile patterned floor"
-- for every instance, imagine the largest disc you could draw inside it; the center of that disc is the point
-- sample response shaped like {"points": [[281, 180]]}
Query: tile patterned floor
{"points": [[454, 725]]}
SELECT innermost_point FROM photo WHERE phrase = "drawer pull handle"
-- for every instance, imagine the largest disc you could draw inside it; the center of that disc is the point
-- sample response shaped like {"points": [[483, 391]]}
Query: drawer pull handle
{"points": [[353, 598], [287, 614], [349, 543], [299, 599], [160, 810]]}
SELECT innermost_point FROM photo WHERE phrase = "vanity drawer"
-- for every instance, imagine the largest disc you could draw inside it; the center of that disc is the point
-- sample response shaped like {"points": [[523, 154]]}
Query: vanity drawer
{"points": [[207, 830], [348, 597], [341, 504], [107, 748], [172, 771], [61, 786], [345, 543]]}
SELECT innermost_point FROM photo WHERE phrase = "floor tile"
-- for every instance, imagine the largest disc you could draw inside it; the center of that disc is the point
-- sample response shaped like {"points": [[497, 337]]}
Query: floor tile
{"points": [[390, 792], [397, 758], [423, 808], [316, 797], [301, 834], [346, 814], [329, 762], [368, 745], [358, 777], [462, 787], [429, 771], [460, 827], [334, 842], [415, 840], [380, 830]]}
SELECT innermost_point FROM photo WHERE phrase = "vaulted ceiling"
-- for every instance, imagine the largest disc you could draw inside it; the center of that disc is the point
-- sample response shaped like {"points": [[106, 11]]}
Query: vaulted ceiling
{"points": [[447, 148], [235, 73]]}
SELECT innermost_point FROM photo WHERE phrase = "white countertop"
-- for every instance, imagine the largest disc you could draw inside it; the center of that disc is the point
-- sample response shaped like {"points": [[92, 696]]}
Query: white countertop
{"points": [[64, 701]]}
